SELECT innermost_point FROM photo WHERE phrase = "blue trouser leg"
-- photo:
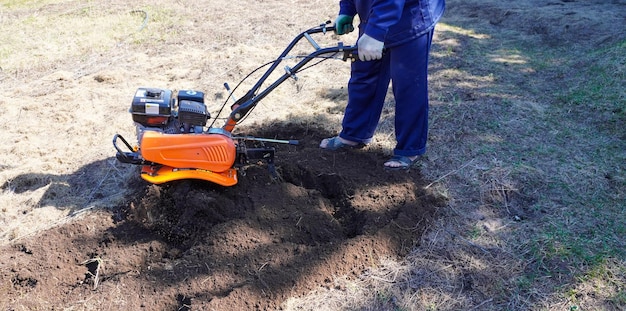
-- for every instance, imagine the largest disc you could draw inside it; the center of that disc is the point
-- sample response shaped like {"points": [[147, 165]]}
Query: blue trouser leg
{"points": [[406, 66], [409, 76], [367, 88]]}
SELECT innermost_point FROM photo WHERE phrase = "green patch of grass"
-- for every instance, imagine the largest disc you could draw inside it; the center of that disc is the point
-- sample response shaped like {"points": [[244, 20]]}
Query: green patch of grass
{"points": [[525, 282], [587, 245], [474, 232], [557, 114], [584, 230], [619, 299], [600, 87], [550, 118]]}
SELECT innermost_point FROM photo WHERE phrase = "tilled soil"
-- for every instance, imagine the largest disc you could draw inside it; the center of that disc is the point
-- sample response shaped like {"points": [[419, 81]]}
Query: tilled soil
{"points": [[194, 245]]}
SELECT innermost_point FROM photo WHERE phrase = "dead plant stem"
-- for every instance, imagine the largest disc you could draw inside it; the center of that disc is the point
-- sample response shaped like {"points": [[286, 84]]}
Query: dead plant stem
{"points": [[449, 173]]}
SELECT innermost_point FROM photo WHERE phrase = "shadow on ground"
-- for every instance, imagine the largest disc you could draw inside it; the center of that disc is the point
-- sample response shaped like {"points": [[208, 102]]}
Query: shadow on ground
{"points": [[94, 183], [250, 246]]}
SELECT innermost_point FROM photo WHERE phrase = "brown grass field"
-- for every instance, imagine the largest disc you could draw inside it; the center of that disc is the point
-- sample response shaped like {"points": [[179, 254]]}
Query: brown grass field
{"points": [[517, 205]]}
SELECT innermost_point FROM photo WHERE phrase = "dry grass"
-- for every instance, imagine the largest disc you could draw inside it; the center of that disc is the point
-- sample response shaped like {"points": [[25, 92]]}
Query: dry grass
{"points": [[526, 135]]}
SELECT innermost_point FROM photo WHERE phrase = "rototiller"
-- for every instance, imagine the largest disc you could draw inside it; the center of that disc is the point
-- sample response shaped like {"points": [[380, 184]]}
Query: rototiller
{"points": [[175, 142]]}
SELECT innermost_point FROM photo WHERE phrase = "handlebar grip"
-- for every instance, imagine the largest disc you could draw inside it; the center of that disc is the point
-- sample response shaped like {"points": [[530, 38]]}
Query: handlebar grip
{"points": [[352, 53]]}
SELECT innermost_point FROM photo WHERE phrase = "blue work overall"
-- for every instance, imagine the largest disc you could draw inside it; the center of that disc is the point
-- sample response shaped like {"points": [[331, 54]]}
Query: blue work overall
{"points": [[406, 28]]}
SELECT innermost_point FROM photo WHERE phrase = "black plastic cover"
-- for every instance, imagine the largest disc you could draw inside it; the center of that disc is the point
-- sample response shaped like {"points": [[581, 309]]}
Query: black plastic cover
{"points": [[191, 95], [152, 106], [192, 113]]}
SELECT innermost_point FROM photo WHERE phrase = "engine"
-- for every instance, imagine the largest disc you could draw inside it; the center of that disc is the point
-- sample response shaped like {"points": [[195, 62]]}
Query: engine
{"points": [[168, 112], [174, 145]]}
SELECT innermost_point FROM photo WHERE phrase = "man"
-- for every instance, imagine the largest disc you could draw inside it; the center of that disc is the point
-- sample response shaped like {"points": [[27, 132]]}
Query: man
{"points": [[393, 45]]}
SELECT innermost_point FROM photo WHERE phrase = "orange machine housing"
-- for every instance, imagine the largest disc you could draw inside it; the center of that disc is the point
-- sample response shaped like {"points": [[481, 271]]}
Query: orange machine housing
{"points": [[188, 156]]}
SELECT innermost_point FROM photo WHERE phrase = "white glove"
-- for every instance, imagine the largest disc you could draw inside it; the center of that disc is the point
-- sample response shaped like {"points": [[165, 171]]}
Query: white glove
{"points": [[369, 48]]}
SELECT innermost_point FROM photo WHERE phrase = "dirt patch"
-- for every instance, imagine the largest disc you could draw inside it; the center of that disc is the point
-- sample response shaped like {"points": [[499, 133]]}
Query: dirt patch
{"points": [[196, 245], [73, 238]]}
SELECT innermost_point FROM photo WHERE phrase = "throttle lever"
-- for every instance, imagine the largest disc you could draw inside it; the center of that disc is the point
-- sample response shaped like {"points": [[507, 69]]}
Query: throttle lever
{"points": [[349, 52], [230, 93]]}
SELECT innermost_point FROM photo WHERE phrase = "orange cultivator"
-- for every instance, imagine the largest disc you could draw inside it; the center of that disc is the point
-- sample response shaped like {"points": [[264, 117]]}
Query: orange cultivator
{"points": [[175, 142]]}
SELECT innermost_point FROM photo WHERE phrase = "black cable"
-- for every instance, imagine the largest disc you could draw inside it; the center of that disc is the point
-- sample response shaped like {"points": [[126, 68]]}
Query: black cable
{"points": [[323, 58], [237, 86]]}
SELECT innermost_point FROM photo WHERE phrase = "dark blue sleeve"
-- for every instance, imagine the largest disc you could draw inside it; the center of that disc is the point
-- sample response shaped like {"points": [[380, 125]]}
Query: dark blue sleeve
{"points": [[347, 7], [384, 14]]}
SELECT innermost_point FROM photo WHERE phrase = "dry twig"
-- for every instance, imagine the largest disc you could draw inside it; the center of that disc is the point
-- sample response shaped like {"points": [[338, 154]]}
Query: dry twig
{"points": [[96, 276]]}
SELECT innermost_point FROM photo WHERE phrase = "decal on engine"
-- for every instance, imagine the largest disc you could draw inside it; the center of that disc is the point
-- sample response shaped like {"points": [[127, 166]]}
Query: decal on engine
{"points": [[152, 108]]}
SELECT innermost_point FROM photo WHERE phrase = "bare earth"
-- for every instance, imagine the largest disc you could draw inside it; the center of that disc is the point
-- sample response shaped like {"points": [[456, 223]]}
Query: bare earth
{"points": [[247, 247], [83, 232]]}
